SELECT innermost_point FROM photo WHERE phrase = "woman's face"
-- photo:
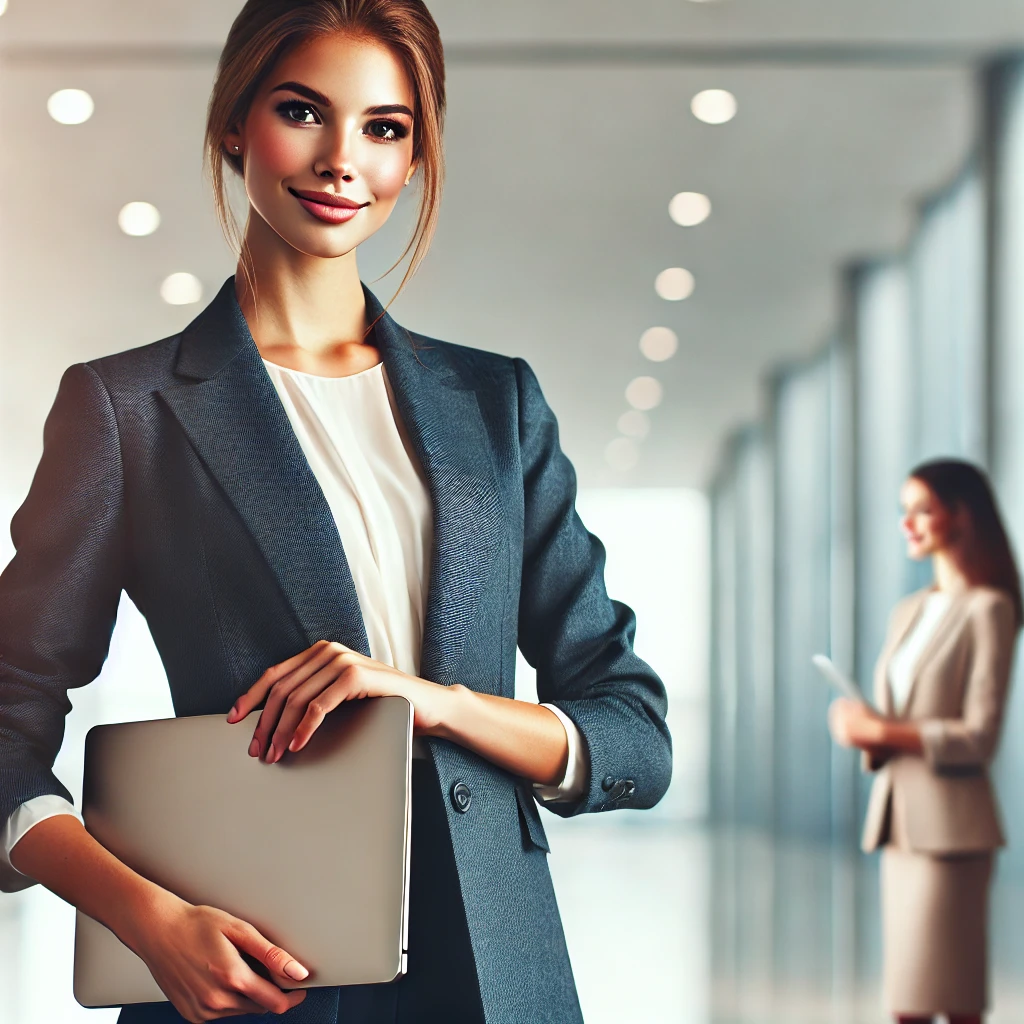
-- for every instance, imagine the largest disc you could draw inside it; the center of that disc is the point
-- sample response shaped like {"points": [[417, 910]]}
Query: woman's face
{"points": [[335, 116], [927, 524]]}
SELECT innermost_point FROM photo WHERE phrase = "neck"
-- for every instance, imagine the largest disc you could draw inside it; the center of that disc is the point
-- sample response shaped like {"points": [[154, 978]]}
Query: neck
{"points": [[302, 310], [949, 576]]}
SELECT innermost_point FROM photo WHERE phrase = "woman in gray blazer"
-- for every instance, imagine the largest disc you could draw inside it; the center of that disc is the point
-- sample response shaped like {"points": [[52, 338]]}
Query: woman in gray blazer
{"points": [[940, 686], [175, 472]]}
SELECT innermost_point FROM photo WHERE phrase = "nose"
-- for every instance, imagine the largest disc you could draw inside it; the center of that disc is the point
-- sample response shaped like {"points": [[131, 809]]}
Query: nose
{"points": [[337, 160]]}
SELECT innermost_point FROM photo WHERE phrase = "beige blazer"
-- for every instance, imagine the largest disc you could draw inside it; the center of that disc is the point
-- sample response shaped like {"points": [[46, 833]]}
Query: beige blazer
{"points": [[945, 801]]}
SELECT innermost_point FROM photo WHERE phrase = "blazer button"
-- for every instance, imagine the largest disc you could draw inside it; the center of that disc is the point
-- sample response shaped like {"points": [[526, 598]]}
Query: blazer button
{"points": [[461, 797], [615, 793], [607, 782]]}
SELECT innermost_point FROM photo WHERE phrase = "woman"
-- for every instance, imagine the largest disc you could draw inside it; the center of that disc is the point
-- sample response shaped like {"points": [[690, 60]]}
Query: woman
{"points": [[311, 505], [940, 683]]}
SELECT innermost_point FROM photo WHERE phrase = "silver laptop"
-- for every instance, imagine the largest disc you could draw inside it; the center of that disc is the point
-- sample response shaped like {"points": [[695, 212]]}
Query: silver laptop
{"points": [[313, 850]]}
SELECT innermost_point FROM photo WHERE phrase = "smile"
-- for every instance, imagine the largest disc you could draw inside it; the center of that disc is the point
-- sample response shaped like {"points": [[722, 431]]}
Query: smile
{"points": [[330, 212]]}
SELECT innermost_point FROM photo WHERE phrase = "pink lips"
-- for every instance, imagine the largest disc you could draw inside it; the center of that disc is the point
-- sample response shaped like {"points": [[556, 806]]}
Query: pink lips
{"points": [[328, 207]]}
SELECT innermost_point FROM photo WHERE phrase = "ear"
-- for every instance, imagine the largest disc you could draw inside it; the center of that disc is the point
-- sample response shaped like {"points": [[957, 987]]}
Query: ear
{"points": [[232, 139]]}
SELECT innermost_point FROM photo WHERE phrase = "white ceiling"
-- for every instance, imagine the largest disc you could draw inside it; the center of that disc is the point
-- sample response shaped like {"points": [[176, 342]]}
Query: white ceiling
{"points": [[568, 133]]}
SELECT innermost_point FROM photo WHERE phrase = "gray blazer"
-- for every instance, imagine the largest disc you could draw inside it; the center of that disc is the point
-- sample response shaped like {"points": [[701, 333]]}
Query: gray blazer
{"points": [[171, 472], [945, 801]]}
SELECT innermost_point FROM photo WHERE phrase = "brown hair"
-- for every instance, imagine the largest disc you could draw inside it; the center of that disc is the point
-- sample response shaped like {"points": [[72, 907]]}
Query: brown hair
{"points": [[958, 484], [266, 30]]}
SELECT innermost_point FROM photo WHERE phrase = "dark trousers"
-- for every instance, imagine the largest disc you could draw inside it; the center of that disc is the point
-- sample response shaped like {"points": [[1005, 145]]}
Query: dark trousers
{"points": [[440, 986]]}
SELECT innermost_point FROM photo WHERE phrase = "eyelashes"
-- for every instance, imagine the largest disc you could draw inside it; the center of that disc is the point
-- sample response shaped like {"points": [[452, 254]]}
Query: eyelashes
{"points": [[285, 109], [379, 129]]}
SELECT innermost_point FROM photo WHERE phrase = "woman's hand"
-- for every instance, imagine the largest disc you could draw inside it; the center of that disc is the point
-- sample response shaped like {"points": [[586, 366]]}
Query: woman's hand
{"points": [[301, 691], [853, 724], [193, 953]]}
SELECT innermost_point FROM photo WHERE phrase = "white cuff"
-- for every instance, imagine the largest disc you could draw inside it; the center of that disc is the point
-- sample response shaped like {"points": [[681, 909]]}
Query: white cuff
{"points": [[30, 813], [574, 782]]}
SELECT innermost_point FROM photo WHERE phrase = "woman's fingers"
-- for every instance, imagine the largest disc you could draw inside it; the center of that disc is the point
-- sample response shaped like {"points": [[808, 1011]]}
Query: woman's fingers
{"points": [[284, 969], [232, 1007], [838, 722], [310, 703], [281, 692], [257, 693], [288, 700], [274, 687], [316, 711]]}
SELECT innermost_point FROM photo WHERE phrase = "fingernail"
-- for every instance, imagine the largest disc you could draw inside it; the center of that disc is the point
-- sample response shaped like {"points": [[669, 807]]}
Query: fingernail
{"points": [[271, 754], [294, 745], [254, 748], [232, 713], [295, 970]]}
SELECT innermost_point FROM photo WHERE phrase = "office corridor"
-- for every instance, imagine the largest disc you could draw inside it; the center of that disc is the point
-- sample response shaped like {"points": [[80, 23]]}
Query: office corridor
{"points": [[689, 926], [705, 927], [787, 273]]}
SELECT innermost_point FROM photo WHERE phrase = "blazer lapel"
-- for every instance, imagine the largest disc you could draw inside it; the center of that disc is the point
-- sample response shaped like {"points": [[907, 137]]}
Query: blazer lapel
{"points": [[230, 412], [948, 625], [883, 691], [229, 409], [443, 419]]}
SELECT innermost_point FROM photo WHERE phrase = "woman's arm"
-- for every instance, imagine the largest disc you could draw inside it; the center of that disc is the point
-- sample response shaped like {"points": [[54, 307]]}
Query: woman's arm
{"points": [[519, 736], [191, 951], [970, 741], [967, 741], [579, 640], [856, 725], [58, 604], [59, 594]]}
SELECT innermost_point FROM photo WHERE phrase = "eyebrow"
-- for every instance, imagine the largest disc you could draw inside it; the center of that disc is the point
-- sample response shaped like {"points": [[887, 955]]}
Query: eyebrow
{"points": [[312, 94]]}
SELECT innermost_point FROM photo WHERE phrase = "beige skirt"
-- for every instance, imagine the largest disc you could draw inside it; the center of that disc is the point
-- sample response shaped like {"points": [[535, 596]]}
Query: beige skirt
{"points": [[934, 931]]}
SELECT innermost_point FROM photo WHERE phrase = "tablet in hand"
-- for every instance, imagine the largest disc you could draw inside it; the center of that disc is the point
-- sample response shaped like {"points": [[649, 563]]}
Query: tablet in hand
{"points": [[843, 683]]}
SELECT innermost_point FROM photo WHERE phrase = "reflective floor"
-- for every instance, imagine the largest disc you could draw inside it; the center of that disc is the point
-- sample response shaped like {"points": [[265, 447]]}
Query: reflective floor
{"points": [[665, 923]]}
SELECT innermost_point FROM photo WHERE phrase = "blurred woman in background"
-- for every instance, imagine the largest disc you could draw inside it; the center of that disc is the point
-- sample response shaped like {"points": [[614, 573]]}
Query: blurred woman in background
{"points": [[940, 689]]}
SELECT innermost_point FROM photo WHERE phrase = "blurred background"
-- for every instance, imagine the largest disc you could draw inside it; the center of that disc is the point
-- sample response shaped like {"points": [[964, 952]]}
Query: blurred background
{"points": [[763, 258]]}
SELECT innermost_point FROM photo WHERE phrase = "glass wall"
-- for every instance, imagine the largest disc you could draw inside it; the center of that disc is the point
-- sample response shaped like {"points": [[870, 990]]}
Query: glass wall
{"points": [[908, 376]]}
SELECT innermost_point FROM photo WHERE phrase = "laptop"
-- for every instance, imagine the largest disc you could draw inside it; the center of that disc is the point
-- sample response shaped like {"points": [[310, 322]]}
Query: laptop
{"points": [[313, 850]]}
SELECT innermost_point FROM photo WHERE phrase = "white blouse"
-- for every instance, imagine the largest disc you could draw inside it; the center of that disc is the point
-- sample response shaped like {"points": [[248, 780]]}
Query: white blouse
{"points": [[351, 434], [905, 658]]}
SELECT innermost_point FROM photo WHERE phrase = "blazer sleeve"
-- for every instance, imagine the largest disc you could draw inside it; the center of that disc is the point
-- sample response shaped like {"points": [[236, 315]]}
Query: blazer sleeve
{"points": [[59, 594], [578, 639], [971, 740]]}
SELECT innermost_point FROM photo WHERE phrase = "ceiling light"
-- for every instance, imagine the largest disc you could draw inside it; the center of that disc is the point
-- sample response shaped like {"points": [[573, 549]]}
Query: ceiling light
{"points": [[643, 393], [70, 106], [659, 343], [181, 289], [689, 208], [138, 219], [3, 6], [674, 284], [634, 424], [622, 454], [714, 106]]}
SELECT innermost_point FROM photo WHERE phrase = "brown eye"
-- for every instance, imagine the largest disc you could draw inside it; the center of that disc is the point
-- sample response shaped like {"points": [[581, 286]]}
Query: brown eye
{"points": [[386, 131], [285, 110]]}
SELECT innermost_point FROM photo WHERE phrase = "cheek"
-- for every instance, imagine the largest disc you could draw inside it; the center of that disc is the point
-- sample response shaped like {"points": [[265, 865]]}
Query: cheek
{"points": [[385, 172], [277, 153]]}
